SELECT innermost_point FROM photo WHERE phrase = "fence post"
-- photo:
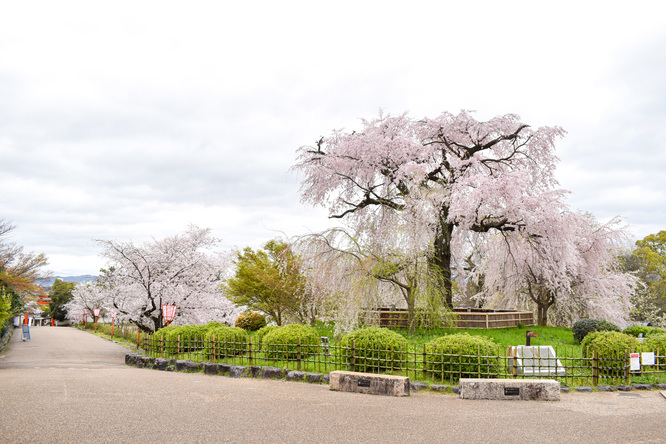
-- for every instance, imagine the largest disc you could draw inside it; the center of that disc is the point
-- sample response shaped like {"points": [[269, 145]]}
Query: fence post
{"points": [[514, 368], [162, 346], [595, 368], [178, 346], [250, 350], [627, 368], [212, 345], [353, 358], [298, 363], [425, 363]]}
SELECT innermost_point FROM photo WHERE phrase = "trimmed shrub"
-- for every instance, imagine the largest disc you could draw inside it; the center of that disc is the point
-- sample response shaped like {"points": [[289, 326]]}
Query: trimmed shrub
{"points": [[252, 321], [611, 348], [462, 355], [585, 326], [376, 349], [636, 330], [263, 332], [656, 342], [226, 341], [282, 343]]}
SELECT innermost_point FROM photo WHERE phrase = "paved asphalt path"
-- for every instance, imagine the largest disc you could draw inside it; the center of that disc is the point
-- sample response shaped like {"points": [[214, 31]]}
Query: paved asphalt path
{"points": [[66, 385]]}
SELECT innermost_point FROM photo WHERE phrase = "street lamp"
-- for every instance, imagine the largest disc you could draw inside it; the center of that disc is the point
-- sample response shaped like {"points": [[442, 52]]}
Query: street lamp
{"points": [[169, 313]]}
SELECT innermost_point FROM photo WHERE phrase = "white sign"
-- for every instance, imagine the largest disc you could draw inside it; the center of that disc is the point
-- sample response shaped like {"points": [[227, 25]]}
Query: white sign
{"points": [[635, 361], [647, 358], [96, 311]]}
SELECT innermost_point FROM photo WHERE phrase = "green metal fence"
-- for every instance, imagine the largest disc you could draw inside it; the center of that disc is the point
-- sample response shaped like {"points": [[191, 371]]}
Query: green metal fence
{"points": [[570, 366]]}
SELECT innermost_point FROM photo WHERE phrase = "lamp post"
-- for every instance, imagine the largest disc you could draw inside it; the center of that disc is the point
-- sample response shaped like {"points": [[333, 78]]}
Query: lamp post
{"points": [[113, 319], [168, 313]]}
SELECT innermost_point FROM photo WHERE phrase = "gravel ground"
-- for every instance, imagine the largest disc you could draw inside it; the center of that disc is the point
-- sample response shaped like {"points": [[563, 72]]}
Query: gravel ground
{"points": [[69, 386]]}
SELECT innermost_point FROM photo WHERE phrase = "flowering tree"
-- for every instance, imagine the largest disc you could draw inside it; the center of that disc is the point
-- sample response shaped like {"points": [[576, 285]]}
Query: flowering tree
{"points": [[566, 268], [447, 175], [181, 270]]}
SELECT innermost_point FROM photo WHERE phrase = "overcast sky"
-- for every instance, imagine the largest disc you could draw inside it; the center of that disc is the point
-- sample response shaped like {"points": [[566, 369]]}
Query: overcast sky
{"points": [[130, 120]]}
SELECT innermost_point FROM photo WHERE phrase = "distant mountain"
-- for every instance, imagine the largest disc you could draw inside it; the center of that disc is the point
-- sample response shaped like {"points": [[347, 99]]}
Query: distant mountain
{"points": [[48, 283]]}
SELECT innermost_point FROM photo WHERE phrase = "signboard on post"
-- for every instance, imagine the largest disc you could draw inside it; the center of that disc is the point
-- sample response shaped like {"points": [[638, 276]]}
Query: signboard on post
{"points": [[25, 332], [635, 361]]}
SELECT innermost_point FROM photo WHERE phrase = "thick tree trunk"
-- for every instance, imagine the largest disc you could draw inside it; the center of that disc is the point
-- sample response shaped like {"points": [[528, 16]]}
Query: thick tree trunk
{"points": [[440, 261]]}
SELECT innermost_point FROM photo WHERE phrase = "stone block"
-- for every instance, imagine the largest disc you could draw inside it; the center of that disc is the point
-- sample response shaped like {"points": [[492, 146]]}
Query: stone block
{"points": [[186, 365], [369, 383], [161, 364], [605, 388], [439, 387], [224, 369], [643, 386], [253, 371], [211, 369], [583, 389], [313, 377], [416, 386], [295, 375], [236, 371], [510, 389], [326, 379], [272, 373]]}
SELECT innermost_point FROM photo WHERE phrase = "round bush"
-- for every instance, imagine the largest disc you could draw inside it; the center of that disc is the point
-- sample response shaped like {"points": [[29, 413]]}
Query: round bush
{"points": [[656, 342], [636, 330], [226, 341], [252, 321], [263, 332], [585, 326], [282, 343], [611, 348], [463, 355], [376, 349]]}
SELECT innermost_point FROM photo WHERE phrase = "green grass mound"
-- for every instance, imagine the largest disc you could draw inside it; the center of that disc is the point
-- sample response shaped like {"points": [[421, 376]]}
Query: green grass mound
{"points": [[375, 350], [462, 355]]}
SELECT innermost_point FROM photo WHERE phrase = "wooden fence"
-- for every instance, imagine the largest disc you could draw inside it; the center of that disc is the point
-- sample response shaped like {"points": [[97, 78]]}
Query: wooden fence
{"points": [[419, 364], [460, 318]]}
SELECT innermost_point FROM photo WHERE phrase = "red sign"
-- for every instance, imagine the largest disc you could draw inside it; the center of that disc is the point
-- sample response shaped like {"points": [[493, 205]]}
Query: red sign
{"points": [[169, 312]]}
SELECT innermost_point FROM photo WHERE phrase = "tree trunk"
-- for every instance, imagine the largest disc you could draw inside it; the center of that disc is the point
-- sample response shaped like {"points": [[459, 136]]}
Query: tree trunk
{"points": [[440, 261]]}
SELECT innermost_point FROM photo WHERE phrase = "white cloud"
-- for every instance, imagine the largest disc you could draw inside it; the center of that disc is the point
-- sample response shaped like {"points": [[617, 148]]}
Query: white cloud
{"points": [[132, 119]]}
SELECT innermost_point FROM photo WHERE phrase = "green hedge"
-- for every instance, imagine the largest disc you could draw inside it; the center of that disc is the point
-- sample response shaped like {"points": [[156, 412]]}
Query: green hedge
{"points": [[611, 348], [223, 341], [463, 355], [263, 332], [636, 330], [586, 326], [376, 349], [290, 342]]}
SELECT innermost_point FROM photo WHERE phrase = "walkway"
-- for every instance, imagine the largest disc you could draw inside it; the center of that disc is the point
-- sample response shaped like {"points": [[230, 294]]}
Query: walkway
{"points": [[69, 386]]}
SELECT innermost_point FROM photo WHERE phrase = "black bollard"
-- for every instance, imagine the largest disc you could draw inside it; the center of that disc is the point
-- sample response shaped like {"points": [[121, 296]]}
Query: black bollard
{"points": [[528, 336]]}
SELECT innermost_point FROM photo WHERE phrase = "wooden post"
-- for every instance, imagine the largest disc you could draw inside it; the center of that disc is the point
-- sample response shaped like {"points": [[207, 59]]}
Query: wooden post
{"points": [[425, 363], [595, 368], [250, 350], [627, 368], [298, 364], [353, 357]]}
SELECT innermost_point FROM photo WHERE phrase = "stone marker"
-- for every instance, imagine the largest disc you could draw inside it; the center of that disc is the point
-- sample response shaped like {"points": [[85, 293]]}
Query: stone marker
{"points": [[369, 383], [510, 389]]}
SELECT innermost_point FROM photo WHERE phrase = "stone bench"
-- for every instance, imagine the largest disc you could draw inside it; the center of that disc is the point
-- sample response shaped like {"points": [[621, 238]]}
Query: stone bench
{"points": [[510, 389], [369, 383]]}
